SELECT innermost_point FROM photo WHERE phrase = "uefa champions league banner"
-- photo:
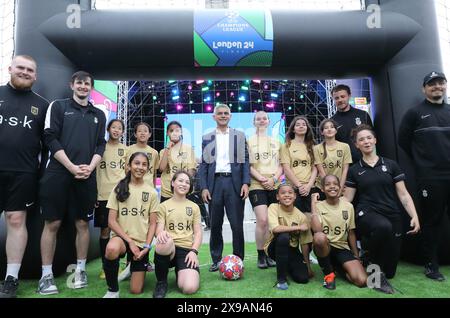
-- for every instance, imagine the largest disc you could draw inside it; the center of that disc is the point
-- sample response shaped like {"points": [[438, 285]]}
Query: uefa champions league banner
{"points": [[233, 38]]}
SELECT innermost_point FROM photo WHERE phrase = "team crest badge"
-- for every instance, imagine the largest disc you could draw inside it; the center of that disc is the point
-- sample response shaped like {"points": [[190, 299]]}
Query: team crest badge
{"points": [[425, 193], [358, 121], [121, 152], [345, 215], [189, 211], [149, 155], [34, 110], [145, 196], [340, 153], [383, 167], [96, 120]]}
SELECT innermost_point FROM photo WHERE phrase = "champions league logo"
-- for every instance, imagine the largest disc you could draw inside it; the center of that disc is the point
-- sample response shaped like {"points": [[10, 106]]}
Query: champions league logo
{"points": [[232, 16]]}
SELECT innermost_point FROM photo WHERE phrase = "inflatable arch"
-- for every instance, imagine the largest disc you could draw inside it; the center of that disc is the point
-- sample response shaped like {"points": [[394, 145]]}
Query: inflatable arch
{"points": [[395, 53]]}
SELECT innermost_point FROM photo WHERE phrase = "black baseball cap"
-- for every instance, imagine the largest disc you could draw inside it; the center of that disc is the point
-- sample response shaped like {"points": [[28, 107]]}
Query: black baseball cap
{"points": [[431, 76]]}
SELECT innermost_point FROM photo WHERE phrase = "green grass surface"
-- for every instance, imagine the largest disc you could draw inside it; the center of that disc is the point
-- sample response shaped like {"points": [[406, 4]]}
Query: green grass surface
{"points": [[256, 283]]}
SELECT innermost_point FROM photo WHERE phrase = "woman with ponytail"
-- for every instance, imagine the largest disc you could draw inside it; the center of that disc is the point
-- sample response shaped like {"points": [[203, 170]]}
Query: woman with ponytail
{"points": [[133, 206]]}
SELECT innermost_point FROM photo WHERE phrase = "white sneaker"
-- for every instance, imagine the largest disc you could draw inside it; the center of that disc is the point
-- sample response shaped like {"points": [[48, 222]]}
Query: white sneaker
{"points": [[47, 285], [80, 280], [125, 273], [110, 294]]}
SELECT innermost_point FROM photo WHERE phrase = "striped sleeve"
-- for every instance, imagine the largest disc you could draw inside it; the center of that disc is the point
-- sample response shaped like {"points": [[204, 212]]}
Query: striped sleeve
{"points": [[54, 119]]}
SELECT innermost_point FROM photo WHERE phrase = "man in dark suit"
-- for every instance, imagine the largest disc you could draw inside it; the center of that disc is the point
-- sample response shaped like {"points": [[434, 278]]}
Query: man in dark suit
{"points": [[224, 181]]}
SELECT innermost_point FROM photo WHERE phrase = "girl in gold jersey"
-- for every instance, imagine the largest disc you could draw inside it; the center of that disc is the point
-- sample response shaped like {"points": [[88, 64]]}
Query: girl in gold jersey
{"points": [[109, 172], [333, 224], [178, 237], [297, 159], [332, 156], [288, 228], [143, 132], [177, 156], [265, 170], [132, 218]]}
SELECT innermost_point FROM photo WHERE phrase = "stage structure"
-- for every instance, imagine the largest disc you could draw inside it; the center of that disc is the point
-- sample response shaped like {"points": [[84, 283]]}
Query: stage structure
{"points": [[151, 101], [394, 45]]}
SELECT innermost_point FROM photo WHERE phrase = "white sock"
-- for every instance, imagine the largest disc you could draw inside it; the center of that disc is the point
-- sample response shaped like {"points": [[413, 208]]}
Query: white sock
{"points": [[46, 270], [13, 270], [81, 265]]}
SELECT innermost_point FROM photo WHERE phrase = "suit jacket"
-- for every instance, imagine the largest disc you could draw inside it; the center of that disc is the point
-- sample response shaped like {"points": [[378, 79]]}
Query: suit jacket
{"points": [[238, 152]]}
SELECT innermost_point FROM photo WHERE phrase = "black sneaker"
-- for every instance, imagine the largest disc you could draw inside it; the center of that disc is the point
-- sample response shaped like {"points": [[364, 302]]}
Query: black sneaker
{"points": [[270, 262], [8, 288], [160, 289], [262, 263], [214, 267], [432, 272], [385, 286]]}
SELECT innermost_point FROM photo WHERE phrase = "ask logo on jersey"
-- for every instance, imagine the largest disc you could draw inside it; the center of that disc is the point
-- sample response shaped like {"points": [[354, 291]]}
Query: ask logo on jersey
{"points": [[14, 121]]}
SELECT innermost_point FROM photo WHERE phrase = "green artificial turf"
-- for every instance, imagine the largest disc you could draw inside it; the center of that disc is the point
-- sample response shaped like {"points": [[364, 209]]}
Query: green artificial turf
{"points": [[256, 283]]}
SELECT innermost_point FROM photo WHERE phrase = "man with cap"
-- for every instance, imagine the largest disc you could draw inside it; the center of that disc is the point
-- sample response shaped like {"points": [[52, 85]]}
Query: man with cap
{"points": [[424, 134]]}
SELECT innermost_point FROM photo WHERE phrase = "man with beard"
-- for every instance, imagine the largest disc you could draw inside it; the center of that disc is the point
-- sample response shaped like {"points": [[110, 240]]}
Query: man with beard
{"points": [[22, 116], [424, 134], [75, 135], [347, 118]]}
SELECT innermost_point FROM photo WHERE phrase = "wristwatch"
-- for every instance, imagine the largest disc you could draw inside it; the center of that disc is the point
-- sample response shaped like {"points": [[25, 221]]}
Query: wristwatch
{"points": [[194, 250]]}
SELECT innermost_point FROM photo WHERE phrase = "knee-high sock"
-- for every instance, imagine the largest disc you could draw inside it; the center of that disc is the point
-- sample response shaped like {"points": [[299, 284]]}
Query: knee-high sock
{"points": [[325, 264], [282, 256], [111, 268], [162, 263]]}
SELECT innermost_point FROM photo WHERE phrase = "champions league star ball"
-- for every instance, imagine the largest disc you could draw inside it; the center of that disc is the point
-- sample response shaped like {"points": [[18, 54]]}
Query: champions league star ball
{"points": [[231, 267]]}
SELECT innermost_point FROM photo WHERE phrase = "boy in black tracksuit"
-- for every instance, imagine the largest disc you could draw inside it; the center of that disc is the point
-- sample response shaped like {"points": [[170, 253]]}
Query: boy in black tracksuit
{"points": [[425, 136], [75, 134]]}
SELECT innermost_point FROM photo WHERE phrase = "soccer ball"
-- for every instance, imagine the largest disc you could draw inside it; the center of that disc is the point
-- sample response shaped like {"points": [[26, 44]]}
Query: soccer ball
{"points": [[231, 267]]}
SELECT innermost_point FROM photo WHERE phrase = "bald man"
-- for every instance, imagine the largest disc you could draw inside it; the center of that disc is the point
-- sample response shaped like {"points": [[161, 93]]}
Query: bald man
{"points": [[22, 116]]}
